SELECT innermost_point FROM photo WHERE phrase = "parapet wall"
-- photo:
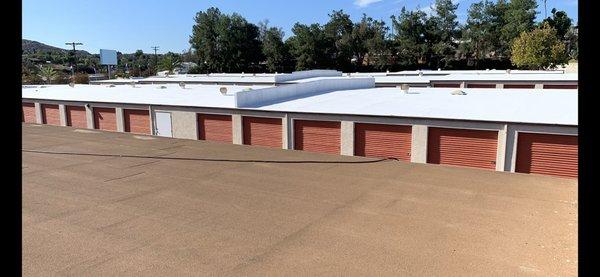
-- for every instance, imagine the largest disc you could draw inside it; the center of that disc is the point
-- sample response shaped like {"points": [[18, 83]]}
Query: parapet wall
{"points": [[268, 96]]}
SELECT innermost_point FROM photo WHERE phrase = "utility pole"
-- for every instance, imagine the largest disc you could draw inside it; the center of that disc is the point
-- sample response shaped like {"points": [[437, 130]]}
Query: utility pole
{"points": [[545, 10], [74, 65], [155, 48]]}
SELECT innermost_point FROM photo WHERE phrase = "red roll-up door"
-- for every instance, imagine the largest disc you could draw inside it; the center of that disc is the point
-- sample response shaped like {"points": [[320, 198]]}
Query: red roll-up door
{"points": [[214, 127], [471, 148], [317, 136], [76, 116], [446, 85], [137, 121], [547, 154], [527, 86], [262, 131], [28, 113], [381, 140], [50, 114], [550, 86], [481, 85], [105, 119]]}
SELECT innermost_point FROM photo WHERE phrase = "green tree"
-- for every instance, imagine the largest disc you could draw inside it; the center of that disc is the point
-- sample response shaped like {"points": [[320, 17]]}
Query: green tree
{"points": [[338, 38], [225, 43], [170, 62], [308, 47], [409, 37], [370, 46], [482, 33], [559, 21], [519, 17], [444, 32], [274, 49], [539, 49], [48, 74]]}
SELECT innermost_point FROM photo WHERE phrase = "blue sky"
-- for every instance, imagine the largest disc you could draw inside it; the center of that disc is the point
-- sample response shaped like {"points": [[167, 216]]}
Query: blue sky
{"points": [[136, 24]]}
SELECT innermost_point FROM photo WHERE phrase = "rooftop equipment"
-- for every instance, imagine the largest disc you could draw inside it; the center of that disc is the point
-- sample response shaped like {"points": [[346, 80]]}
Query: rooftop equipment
{"points": [[458, 92], [223, 90], [404, 88]]}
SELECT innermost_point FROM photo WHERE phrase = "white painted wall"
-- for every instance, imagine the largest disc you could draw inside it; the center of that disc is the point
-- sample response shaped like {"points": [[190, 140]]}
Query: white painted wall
{"points": [[297, 75], [267, 96]]}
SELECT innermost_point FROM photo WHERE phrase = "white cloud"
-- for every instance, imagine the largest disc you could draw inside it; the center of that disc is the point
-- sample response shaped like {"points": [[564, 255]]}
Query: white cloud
{"points": [[364, 3]]}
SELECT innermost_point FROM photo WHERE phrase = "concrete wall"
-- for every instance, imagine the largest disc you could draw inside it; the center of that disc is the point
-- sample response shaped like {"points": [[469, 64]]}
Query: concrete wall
{"points": [[185, 124]]}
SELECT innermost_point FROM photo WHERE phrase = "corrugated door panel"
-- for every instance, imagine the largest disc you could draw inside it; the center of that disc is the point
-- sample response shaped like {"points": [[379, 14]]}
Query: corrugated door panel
{"points": [[446, 85], [519, 86], [481, 85], [105, 119], [137, 121], [317, 136], [50, 114], [214, 127], [28, 113], [262, 131], [381, 140], [555, 155], [471, 148], [76, 116], [550, 86]]}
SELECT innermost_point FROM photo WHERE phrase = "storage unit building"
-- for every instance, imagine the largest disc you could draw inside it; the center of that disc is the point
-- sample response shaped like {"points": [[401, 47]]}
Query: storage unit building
{"points": [[76, 116], [137, 121], [460, 147], [513, 130], [262, 131], [382, 141], [317, 136], [105, 119], [28, 112], [50, 114], [547, 154], [214, 127]]}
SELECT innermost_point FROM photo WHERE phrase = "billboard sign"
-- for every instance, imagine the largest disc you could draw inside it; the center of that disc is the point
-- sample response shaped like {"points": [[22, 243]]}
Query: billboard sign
{"points": [[108, 57]]}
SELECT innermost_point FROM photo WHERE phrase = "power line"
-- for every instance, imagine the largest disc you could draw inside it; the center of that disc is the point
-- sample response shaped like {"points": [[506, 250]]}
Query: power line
{"points": [[74, 65], [155, 48]]}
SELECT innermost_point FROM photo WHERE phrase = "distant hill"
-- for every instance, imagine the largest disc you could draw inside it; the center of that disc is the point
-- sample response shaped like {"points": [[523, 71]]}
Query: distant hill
{"points": [[32, 46]]}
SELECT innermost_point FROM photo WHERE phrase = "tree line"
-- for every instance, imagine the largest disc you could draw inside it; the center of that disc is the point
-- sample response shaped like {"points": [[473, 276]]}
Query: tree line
{"points": [[500, 34]]}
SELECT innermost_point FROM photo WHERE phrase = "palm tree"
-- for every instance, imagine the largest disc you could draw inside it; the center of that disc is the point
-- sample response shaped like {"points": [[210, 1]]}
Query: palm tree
{"points": [[169, 63], [47, 74]]}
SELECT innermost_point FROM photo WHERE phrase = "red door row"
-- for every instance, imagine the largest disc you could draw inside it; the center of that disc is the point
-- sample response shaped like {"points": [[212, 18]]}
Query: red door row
{"points": [[536, 153]]}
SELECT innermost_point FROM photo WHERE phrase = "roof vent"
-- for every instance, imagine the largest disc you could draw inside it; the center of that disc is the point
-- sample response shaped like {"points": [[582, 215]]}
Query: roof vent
{"points": [[162, 87], [439, 69], [182, 85], [223, 90], [458, 92], [71, 84], [404, 88], [132, 84], [43, 86], [508, 71], [111, 86], [420, 73]]}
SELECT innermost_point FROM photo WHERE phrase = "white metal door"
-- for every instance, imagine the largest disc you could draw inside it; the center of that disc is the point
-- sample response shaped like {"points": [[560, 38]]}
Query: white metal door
{"points": [[163, 124]]}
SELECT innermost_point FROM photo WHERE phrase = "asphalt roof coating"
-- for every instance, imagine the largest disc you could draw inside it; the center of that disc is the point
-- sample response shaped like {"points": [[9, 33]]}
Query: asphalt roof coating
{"points": [[110, 215]]}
